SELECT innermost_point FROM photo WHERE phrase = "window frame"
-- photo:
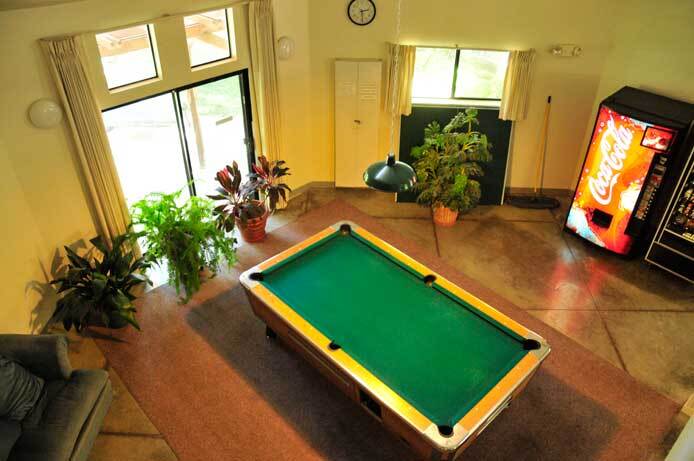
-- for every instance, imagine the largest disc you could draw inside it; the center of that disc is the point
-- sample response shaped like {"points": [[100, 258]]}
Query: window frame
{"points": [[453, 97], [155, 61], [229, 40]]}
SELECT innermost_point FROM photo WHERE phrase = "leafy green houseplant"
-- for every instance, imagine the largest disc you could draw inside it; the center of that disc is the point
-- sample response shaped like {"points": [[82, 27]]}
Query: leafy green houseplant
{"points": [[237, 205], [447, 165], [100, 291], [186, 236]]}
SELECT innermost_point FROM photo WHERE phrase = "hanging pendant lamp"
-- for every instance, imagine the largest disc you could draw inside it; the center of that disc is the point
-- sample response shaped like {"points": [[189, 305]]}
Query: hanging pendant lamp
{"points": [[392, 175]]}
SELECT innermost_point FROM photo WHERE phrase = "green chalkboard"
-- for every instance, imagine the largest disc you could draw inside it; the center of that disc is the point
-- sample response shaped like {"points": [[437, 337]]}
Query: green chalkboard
{"points": [[498, 132]]}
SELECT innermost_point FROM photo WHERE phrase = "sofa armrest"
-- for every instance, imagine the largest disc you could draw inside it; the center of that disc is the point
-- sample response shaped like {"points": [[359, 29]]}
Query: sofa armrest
{"points": [[43, 355]]}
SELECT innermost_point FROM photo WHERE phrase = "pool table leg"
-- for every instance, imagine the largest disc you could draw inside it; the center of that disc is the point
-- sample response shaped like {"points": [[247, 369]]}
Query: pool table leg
{"points": [[270, 333]]}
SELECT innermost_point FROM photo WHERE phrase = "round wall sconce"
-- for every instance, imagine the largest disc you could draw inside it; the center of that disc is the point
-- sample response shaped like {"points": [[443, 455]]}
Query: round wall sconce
{"points": [[45, 113], [285, 48]]}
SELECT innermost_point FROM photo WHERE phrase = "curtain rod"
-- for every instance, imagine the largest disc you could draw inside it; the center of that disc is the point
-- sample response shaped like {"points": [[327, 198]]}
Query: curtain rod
{"points": [[226, 4], [457, 47]]}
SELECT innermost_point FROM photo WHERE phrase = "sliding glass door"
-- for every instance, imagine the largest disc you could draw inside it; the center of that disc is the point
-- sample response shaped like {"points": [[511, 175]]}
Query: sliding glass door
{"points": [[215, 129], [180, 139], [146, 146]]}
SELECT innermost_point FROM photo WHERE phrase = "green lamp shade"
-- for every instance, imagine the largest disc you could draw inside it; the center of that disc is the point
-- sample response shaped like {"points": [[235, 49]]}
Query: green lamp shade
{"points": [[390, 176]]}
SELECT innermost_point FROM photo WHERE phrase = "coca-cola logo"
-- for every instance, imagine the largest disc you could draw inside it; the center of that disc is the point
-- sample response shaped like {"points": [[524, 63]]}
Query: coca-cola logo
{"points": [[614, 144]]}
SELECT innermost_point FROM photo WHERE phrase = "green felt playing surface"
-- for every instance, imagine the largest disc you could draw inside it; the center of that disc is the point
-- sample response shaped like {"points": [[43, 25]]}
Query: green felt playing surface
{"points": [[433, 349]]}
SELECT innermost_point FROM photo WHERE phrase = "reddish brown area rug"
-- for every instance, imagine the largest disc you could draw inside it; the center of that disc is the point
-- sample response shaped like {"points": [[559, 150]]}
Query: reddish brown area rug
{"points": [[218, 390]]}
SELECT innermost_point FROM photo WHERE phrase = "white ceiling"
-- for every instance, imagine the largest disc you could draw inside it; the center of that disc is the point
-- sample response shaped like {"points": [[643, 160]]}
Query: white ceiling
{"points": [[16, 4]]}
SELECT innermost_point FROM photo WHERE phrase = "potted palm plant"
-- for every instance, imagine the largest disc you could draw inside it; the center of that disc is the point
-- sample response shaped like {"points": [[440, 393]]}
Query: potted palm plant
{"points": [[447, 165], [100, 291], [247, 205], [185, 236]]}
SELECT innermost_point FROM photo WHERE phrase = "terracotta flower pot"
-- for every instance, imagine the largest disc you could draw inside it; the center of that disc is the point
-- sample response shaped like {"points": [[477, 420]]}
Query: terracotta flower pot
{"points": [[444, 216], [253, 230]]}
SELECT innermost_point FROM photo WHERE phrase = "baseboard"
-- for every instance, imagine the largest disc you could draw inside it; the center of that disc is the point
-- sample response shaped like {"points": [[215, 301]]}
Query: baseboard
{"points": [[546, 191], [301, 190]]}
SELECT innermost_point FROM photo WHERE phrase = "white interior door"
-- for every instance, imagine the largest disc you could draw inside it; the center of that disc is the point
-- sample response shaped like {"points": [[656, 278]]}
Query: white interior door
{"points": [[368, 104], [357, 102], [346, 80]]}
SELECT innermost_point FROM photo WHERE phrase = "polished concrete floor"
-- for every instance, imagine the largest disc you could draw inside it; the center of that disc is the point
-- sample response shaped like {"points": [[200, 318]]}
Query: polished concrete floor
{"points": [[636, 317]]}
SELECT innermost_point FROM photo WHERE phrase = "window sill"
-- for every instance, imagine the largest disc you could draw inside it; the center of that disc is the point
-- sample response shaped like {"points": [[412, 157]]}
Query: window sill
{"points": [[133, 85], [442, 102], [215, 63]]}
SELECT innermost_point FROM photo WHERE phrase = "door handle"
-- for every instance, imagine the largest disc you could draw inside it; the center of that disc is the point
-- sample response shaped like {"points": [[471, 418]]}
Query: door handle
{"points": [[358, 122]]}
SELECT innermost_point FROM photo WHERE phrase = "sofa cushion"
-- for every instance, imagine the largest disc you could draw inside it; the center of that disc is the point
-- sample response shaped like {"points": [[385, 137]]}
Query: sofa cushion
{"points": [[19, 390], [44, 355], [9, 433], [63, 419]]}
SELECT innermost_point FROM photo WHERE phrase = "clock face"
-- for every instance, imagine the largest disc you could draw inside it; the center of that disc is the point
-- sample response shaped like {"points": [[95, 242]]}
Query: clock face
{"points": [[361, 12]]}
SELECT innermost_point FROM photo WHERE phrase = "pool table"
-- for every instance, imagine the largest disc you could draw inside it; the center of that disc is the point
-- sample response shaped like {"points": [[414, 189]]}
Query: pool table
{"points": [[432, 362]]}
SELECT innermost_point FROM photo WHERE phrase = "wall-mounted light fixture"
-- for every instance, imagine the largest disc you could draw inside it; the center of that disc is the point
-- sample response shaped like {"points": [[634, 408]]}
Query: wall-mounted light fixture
{"points": [[285, 47], [567, 50], [45, 113]]}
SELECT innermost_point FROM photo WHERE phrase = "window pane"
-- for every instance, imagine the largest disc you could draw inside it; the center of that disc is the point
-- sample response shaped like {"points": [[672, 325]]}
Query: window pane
{"points": [[146, 147], [433, 73], [127, 55], [481, 74], [208, 37], [215, 130]]}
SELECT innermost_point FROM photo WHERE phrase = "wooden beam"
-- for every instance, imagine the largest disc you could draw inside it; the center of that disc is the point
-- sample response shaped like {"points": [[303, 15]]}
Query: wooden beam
{"points": [[206, 34], [197, 128]]}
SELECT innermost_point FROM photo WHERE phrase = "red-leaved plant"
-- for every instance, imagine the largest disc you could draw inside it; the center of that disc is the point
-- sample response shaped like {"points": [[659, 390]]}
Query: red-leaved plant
{"points": [[238, 200]]}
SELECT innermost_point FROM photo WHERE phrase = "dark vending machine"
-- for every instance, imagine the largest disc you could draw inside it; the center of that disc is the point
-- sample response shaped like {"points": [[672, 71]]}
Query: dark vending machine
{"points": [[672, 247], [633, 161]]}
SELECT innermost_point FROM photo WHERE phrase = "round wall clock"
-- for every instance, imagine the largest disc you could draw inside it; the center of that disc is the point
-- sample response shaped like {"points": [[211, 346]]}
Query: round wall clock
{"points": [[361, 12]]}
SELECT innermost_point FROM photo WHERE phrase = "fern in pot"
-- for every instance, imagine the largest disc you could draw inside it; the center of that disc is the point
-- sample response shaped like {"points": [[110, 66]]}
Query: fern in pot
{"points": [[448, 164], [100, 290], [238, 202], [185, 236]]}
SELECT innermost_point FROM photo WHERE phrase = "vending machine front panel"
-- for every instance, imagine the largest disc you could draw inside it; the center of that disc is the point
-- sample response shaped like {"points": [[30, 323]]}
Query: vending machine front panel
{"points": [[623, 169]]}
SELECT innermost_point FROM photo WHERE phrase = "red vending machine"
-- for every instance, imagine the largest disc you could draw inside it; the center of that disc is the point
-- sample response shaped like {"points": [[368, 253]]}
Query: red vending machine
{"points": [[627, 170]]}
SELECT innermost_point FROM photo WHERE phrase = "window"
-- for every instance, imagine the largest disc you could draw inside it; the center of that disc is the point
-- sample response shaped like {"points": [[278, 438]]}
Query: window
{"points": [[433, 73], [127, 55], [209, 36], [446, 73]]}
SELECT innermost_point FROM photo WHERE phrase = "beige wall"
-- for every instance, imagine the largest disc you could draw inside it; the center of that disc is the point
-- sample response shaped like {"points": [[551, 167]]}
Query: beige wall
{"points": [[24, 254], [292, 20], [496, 24], [43, 204], [653, 55]]}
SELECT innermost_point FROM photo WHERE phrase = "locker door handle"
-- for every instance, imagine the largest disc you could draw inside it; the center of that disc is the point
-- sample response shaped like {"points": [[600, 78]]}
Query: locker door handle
{"points": [[358, 122]]}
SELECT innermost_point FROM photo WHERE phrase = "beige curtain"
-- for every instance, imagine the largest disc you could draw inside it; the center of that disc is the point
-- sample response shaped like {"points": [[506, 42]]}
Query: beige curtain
{"points": [[67, 62], [401, 98], [514, 99], [264, 74]]}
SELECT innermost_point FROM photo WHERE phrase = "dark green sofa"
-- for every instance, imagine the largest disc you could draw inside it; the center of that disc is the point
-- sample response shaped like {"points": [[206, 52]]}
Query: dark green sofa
{"points": [[65, 423]]}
